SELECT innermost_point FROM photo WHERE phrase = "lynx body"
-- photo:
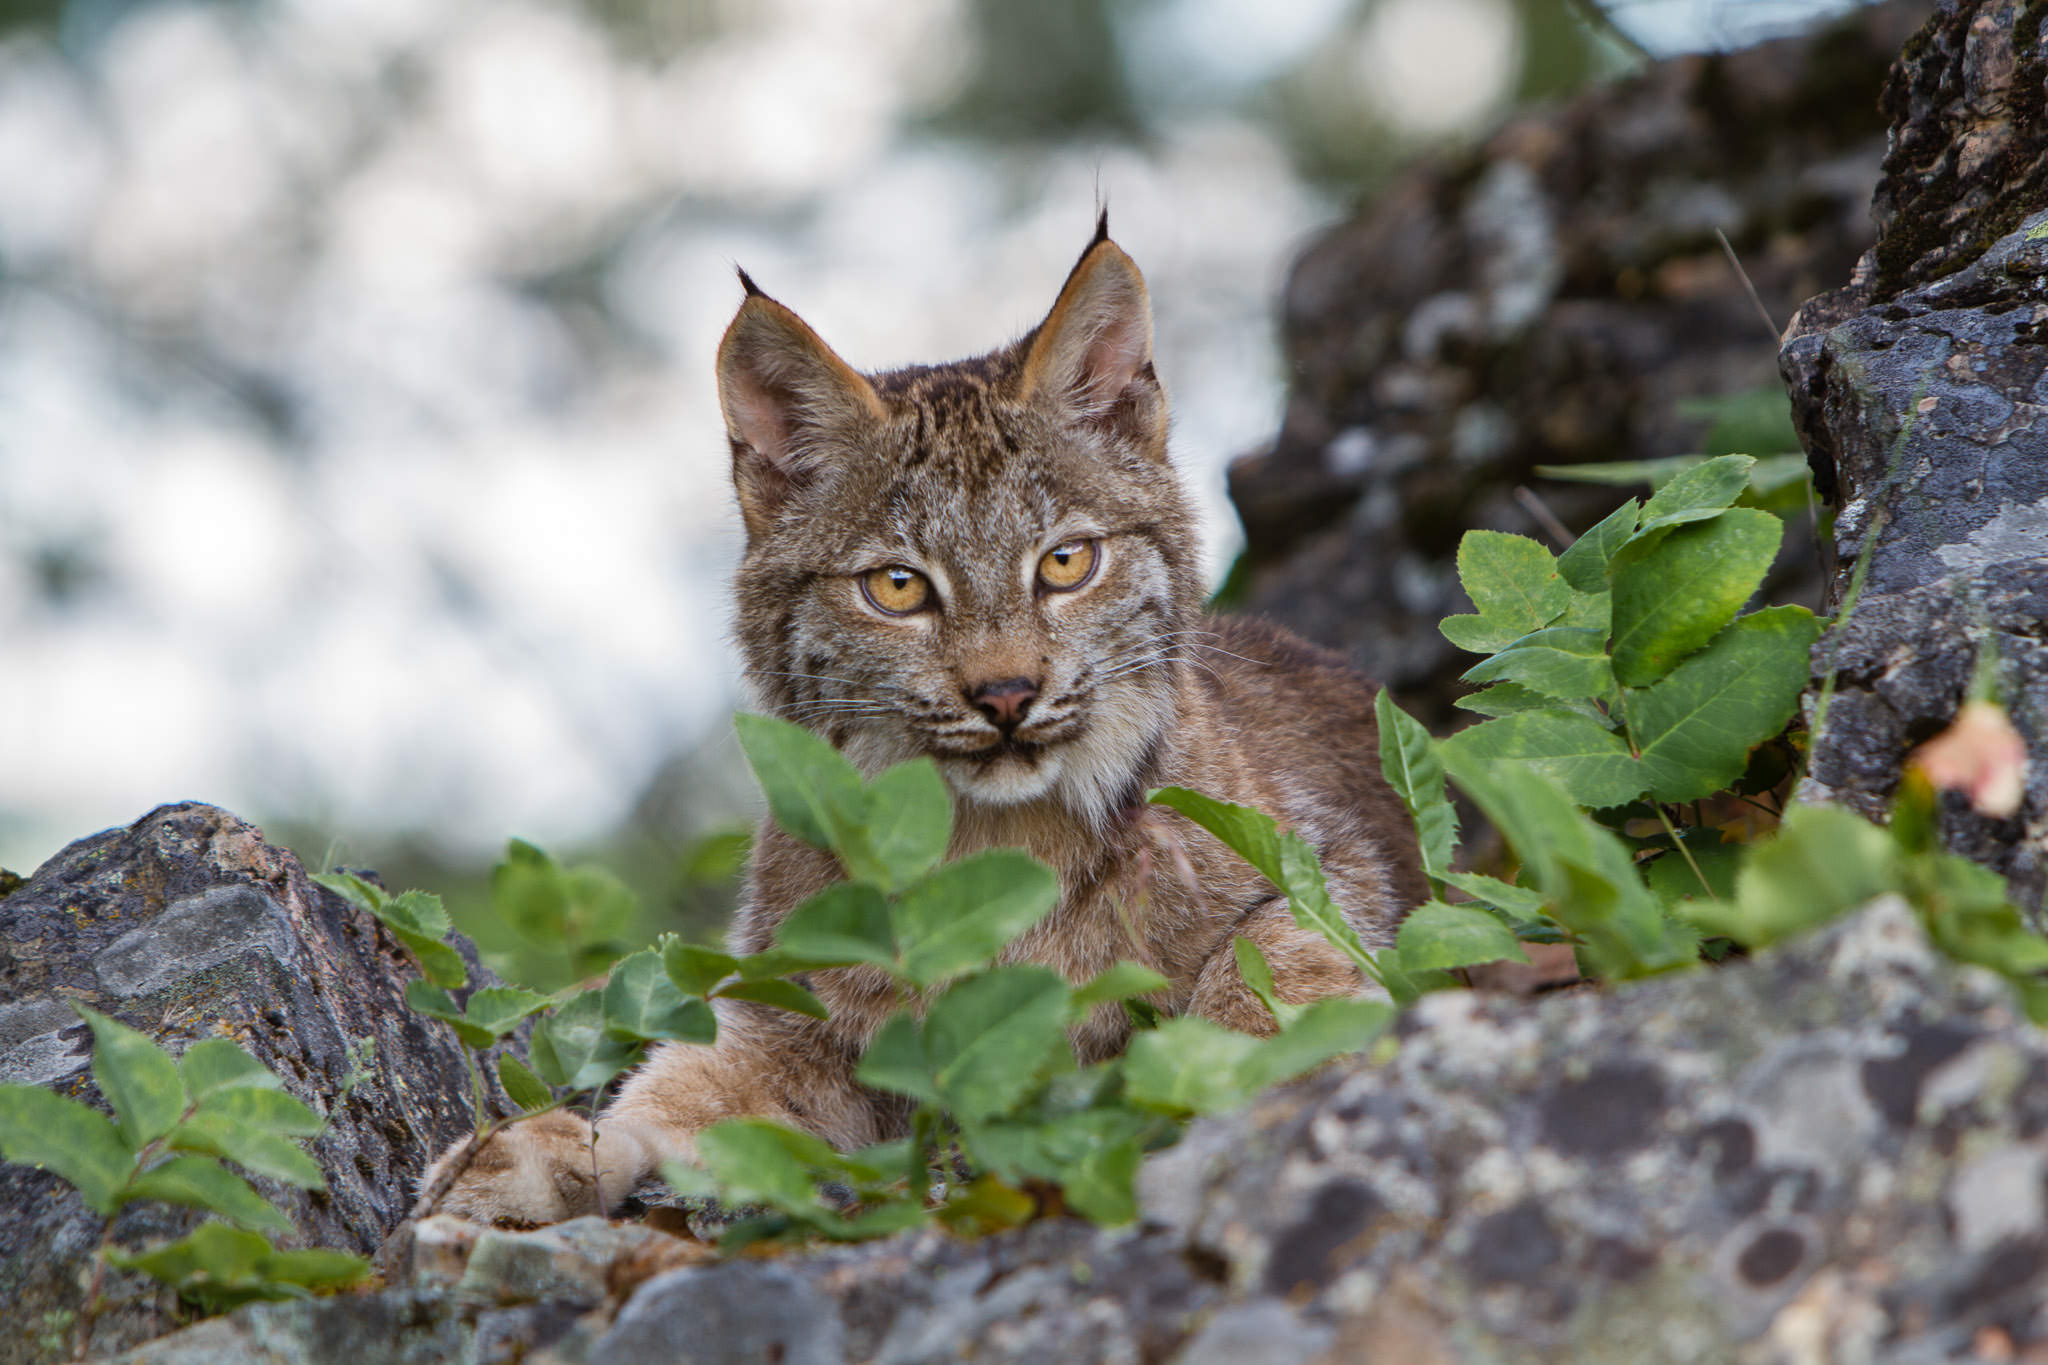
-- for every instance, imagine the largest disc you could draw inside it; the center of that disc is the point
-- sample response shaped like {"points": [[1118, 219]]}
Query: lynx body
{"points": [[992, 563]]}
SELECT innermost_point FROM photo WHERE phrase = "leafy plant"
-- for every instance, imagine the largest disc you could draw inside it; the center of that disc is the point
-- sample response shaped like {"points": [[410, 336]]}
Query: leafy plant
{"points": [[175, 1121], [986, 1060]]}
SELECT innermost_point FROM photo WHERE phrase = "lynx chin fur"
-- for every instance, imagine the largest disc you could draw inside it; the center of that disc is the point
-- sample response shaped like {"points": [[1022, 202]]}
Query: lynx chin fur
{"points": [[992, 563]]}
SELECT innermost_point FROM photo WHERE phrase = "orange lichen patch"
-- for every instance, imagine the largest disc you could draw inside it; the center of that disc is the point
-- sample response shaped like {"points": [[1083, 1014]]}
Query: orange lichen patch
{"points": [[1980, 755]]}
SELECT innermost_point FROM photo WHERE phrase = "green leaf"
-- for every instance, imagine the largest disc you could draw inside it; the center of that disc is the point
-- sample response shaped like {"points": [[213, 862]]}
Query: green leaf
{"points": [[202, 1183], [1331, 1027], [1258, 977], [1188, 1066], [1675, 591], [814, 793], [696, 970], [571, 1047], [1286, 860], [1589, 611], [779, 994], [527, 1090], [1477, 634], [909, 819], [1823, 861], [1439, 937], [248, 1146], [138, 1078], [498, 1009], [419, 911], [1516, 900], [963, 913], [895, 1062], [754, 1165], [1408, 758], [218, 1267], [313, 1268], [424, 997], [1118, 982], [41, 1128], [1563, 661], [988, 1038], [217, 1064], [1620, 473], [363, 894], [1584, 565], [1591, 763], [641, 1004], [1512, 580], [1510, 699], [1695, 728], [439, 963], [1697, 493], [1673, 880], [273, 1111], [846, 922]]}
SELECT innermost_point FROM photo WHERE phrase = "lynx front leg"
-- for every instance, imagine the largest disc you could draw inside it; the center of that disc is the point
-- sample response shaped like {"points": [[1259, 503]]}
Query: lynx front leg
{"points": [[1306, 966], [767, 1064]]}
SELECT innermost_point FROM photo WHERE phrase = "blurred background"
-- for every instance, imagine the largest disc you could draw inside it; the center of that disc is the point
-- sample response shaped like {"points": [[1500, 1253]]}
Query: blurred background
{"points": [[360, 466]]}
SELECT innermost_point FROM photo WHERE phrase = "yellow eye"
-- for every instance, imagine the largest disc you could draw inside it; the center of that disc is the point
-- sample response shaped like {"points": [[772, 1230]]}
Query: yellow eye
{"points": [[1066, 567], [896, 590]]}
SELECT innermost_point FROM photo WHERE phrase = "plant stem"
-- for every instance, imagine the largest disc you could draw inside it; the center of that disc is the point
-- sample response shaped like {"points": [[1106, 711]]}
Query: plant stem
{"points": [[1690, 861], [596, 1175]]}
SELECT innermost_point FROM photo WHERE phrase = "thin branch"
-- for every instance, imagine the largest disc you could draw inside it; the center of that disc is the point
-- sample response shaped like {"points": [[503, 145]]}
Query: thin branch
{"points": [[1533, 503], [1754, 297]]}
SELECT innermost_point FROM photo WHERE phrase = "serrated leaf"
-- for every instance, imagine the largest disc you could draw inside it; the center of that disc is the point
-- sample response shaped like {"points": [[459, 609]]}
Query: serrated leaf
{"points": [[1562, 661], [526, 1090], [895, 1062], [1188, 1066], [250, 1147], [1258, 977], [1439, 937], [217, 1064], [1408, 759], [988, 1038], [641, 1004], [1584, 564], [1477, 634], [753, 1165], [219, 1267], [419, 911], [1695, 728], [200, 1182], [1512, 580], [364, 895], [964, 912], [138, 1078], [571, 1047], [846, 922], [439, 963], [909, 820], [1521, 909], [499, 1009], [273, 1111], [1591, 764], [1674, 592], [1589, 611], [424, 997], [695, 970], [813, 791], [1699, 492], [1334, 1026], [1118, 982], [1509, 699], [777, 993], [39, 1127], [1286, 860]]}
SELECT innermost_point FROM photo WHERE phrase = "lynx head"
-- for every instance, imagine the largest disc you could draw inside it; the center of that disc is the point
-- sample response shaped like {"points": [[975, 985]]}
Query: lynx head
{"points": [[989, 562]]}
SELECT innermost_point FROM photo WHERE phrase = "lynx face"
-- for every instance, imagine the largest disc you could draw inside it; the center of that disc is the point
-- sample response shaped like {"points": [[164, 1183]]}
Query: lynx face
{"points": [[990, 563]]}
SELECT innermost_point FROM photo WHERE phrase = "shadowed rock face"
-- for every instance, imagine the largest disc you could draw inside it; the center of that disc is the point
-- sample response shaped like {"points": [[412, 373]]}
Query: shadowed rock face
{"points": [[1921, 391], [1549, 298], [186, 925]]}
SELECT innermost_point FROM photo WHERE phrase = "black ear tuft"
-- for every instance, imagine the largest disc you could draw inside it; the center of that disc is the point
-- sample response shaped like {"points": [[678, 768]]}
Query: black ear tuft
{"points": [[1101, 229], [747, 283]]}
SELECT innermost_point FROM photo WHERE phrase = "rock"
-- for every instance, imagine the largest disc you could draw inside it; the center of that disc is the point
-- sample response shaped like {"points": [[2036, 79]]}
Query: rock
{"points": [[1552, 297], [1921, 391], [186, 925], [1836, 1150]]}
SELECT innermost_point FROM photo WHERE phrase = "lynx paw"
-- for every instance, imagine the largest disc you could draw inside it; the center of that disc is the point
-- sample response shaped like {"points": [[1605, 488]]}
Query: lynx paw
{"points": [[542, 1170]]}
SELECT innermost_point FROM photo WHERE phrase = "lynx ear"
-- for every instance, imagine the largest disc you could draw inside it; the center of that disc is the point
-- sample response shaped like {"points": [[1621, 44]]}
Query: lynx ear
{"points": [[1092, 355], [786, 395]]}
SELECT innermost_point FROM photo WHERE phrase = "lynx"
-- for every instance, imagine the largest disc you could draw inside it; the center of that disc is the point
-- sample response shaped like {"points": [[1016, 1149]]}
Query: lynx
{"points": [[992, 563]]}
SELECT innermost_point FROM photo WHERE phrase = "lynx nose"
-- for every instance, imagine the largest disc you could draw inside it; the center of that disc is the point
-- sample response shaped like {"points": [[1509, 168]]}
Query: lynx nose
{"points": [[1005, 702]]}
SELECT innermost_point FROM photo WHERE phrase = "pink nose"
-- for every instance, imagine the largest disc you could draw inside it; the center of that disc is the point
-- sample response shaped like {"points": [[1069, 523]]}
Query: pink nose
{"points": [[1005, 702]]}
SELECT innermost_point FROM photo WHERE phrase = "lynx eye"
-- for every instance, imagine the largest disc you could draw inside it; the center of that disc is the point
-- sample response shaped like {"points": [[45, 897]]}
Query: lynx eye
{"points": [[896, 590], [1067, 566]]}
